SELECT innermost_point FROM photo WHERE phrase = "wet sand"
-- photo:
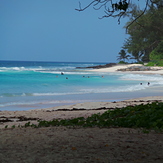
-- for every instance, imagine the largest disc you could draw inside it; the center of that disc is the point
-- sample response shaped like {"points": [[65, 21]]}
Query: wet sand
{"points": [[17, 118]]}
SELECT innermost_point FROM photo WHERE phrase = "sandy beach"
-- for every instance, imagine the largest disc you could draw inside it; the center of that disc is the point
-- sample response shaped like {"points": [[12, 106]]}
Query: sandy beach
{"points": [[78, 145], [61, 144], [17, 118], [155, 70]]}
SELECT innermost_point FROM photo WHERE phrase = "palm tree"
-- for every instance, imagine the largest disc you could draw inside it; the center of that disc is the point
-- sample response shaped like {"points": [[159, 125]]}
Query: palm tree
{"points": [[123, 56]]}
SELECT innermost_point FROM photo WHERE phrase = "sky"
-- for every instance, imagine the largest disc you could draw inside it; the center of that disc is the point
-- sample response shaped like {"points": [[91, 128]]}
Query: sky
{"points": [[52, 30]]}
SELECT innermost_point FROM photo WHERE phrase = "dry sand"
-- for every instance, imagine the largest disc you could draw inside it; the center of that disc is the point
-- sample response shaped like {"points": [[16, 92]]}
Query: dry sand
{"points": [[77, 145], [155, 70], [68, 111]]}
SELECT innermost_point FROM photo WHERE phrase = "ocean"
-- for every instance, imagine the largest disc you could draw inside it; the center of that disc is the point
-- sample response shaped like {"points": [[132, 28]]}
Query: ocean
{"points": [[35, 85]]}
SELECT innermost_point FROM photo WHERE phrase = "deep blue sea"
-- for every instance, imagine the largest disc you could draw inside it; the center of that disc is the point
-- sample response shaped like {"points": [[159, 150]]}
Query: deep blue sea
{"points": [[36, 85]]}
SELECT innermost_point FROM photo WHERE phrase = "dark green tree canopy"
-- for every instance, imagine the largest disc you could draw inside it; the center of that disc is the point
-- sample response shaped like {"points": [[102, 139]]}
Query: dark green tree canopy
{"points": [[145, 34]]}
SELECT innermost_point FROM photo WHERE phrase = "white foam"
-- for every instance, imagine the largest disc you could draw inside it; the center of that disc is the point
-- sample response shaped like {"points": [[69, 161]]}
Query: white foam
{"points": [[56, 94], [26, 104], [130, 88], [13, 69], [142, 77], [53, 70]]}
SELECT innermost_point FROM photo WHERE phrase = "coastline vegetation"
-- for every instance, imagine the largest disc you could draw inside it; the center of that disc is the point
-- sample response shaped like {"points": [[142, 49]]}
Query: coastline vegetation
{"points": [[145, 41], [146, 117]]}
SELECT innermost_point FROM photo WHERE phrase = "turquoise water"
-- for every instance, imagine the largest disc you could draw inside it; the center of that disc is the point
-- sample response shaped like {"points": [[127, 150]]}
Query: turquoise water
{"points": [[34, 85]]}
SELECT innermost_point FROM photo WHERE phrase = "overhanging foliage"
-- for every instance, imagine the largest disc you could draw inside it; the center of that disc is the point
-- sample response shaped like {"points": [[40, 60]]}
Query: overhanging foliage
{"points": [[145, 34]]}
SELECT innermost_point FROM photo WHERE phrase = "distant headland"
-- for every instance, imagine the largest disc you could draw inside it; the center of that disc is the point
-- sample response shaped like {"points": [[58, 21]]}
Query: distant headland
{"points": [[99, 66]]}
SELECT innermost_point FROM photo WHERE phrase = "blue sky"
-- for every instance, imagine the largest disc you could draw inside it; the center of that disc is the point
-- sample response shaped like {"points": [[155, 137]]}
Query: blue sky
{"points": [[52, 30]]}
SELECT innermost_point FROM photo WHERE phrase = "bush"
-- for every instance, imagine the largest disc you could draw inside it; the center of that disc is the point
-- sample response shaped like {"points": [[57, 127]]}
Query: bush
{"points": [[122, 62], [155, 63], [149, 116], [157, 54]]}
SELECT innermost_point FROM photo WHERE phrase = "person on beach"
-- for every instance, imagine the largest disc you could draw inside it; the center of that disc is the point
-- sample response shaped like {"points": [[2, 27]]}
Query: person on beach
{"points": [[148, 83]]}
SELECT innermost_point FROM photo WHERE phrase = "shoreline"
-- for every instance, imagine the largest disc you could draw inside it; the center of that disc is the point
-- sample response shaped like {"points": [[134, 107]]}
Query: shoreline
{"points": [[91, 144], [81, 109], [154, 70], [86, 109], [43, 101]]}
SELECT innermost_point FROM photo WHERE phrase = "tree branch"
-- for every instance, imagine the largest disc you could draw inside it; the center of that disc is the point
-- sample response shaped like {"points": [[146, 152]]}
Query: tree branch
{"points": [[82, 9], [138, 16], [114, 9]]}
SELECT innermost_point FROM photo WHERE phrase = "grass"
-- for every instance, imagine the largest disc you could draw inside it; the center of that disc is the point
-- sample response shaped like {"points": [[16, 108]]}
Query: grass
{"points": [[155, 63], [147, 117]]}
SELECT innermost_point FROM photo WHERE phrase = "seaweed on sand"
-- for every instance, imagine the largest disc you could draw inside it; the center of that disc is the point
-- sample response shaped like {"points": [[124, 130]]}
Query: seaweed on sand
{"points": [[146, 116]]}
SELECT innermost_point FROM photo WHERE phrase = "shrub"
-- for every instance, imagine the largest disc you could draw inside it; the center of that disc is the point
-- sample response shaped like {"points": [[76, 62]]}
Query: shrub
{"points": [[149, 116], [122, 62], [155, 63]]}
